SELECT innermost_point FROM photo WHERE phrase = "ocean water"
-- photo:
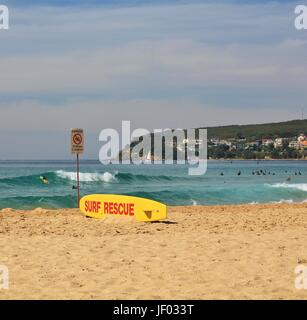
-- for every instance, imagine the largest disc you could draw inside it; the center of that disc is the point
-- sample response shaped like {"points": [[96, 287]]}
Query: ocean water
{"points": [[21, 188]]}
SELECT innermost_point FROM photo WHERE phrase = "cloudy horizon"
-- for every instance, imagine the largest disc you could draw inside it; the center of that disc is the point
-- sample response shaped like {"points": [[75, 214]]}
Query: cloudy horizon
{"points": [[173, 64]]}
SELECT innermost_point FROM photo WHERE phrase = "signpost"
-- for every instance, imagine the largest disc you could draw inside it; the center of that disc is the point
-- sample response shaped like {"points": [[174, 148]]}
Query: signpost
{"points": [[77, 147]]}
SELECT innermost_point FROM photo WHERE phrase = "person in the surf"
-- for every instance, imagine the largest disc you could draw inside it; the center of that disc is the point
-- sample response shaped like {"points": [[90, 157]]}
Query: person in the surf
{"points": [[44, 179]]}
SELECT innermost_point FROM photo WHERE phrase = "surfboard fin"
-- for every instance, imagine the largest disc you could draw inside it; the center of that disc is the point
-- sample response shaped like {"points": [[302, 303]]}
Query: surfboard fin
{"points": [[148, 214]]}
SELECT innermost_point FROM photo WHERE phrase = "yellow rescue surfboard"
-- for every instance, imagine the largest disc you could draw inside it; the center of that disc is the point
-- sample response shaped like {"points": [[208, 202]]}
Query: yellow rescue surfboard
{"points": [[100, 206]]}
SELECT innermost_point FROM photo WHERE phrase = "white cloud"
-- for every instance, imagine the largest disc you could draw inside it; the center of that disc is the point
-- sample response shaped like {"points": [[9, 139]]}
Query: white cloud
{"points": [[145, 64], [96, 115], [73, 51]]}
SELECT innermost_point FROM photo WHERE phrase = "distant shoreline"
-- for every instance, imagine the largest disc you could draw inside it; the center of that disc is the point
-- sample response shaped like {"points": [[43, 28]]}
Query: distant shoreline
{"points": [[97, 161], [255, 160]]}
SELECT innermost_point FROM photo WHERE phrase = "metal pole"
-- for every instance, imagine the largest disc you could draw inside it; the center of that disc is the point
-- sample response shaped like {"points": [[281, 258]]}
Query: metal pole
{"points": [[78, 181]]}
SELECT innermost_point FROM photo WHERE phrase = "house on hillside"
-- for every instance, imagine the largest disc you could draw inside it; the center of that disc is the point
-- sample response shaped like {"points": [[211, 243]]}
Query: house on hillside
{"points": [[215, 141], [301, 137], [267, 142], [303, 144], [253, 144], [278, 142], [225, 142], [294, 144]]}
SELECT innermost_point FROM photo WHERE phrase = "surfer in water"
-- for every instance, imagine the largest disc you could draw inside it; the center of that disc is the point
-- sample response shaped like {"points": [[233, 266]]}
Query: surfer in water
{"points": [[44, 179]]}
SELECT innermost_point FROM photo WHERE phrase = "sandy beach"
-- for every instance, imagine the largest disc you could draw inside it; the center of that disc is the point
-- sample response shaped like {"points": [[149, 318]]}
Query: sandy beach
{"points": [[218, 252]]}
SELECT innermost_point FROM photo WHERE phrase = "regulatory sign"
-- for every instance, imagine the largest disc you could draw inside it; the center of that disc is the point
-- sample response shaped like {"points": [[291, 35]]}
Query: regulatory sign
{"points": [[77, 141]]}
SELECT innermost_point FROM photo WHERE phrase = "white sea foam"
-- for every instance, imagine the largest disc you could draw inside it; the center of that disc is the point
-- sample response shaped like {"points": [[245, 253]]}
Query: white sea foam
{"points": [[281, 201], [194, 203], [289, 201], [297, 186], [86, 176]]}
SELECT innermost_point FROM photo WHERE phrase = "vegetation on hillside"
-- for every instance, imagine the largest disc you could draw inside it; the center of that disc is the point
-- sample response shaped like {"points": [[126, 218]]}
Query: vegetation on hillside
{"points": [[238, 142], [287, 129]]}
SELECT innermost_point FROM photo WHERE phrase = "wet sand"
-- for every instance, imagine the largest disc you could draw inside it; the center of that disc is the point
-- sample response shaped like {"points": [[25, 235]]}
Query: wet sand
{"points": [[219, 252]]}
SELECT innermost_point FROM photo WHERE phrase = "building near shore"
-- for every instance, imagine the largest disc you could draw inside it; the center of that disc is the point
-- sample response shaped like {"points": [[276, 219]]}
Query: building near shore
{"points": [[267, 142], [294, 144], [303, 144], [301, 137], [278, 142]]}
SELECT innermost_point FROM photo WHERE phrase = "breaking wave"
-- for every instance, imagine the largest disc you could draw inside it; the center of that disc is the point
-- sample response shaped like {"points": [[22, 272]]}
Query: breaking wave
{"points": [[297, 186], [86, 176]]}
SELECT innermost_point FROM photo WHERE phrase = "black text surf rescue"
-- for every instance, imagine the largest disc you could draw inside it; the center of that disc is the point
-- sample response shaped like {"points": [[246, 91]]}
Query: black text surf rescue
{"points": [[110, 207]]}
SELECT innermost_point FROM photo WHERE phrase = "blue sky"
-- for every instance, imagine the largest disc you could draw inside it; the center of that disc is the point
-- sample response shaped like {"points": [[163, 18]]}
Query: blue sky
{"points": [[157, 63]]}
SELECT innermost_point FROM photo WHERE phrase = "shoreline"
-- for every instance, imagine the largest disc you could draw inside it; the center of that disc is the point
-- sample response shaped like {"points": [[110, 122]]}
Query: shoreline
{"points": [[171, 207], [255, 160], [61, 254], [97, 160]]}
